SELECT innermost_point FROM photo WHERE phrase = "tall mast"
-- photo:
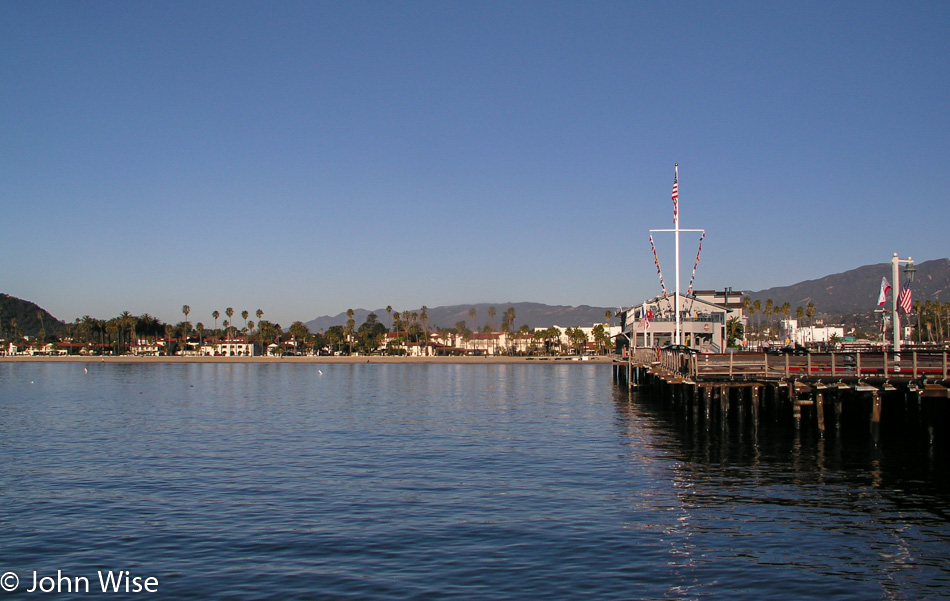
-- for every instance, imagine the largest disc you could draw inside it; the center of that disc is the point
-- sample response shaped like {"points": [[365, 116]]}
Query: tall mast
{"points": [[676, 228], [678, 333]]}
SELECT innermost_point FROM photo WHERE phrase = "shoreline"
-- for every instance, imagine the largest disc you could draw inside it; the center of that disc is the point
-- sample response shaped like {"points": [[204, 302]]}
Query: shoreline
{"points": [[591, 360]]}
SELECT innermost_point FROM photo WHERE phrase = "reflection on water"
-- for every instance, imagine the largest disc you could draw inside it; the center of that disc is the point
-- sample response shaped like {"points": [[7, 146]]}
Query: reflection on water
{"points": [[260, 481], [840, 510]]}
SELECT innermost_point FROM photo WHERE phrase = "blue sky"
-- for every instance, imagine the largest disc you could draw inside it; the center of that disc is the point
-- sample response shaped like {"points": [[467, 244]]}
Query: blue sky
{"points": [[305, 158]]}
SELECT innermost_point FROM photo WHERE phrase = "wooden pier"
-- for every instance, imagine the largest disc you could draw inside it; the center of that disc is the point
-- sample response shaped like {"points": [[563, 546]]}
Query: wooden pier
{"points": [[817, 390]]}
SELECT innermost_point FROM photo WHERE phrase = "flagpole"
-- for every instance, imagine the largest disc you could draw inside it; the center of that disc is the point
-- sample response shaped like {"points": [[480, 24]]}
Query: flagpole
{"points": [[676, 226], [896, 292], [676, 230]]}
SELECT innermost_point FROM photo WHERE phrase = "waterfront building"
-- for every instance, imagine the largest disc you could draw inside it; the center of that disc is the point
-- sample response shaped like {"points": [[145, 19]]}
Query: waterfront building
{"points": [[807, 335], [147, 348], [492, 343], [236, 347], [704, 317]]}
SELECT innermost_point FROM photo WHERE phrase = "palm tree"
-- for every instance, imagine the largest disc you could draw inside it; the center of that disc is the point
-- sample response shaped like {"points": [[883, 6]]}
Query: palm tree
{"points": [[608, 315], [299, 333], [216, 315], [785, 310], [186, 310], [471, 315], [491, 316], [112, 329], [350, 327], [127, 321], [259, 314], [916, 307], [389, 311], [733, 331], [245, 315], [510, 317], [524, 331], [834, 340], [769, 309], [415, 325], [799, 315], [230, 313], [757, 308], [424, 315], [405, 324], [41, 337]]}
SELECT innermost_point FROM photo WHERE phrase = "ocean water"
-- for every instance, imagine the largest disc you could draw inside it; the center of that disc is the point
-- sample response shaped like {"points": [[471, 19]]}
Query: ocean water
{"points": [[293, 481]]}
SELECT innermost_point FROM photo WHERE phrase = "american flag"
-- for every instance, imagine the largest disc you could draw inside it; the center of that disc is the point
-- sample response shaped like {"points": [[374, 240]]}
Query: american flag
{"points": [[676, 194], [905, 301]]}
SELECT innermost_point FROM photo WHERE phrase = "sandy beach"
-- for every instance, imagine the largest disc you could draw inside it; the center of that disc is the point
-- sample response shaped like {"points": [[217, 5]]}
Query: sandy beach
{"points": [[351, 359]]}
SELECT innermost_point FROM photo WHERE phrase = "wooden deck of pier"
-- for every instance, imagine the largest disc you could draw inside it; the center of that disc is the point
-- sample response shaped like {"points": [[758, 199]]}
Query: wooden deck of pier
{"points": [[813, 389]]}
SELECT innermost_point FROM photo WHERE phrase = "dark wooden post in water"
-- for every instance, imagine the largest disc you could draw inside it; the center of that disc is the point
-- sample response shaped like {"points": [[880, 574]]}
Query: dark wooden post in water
{"points": [[755, 405], [724, 404], [796, 407], [692, 388], [876, 415]]}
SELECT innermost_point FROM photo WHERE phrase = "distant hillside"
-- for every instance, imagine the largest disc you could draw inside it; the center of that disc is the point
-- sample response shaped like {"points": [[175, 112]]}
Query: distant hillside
{"points": [[535, 315], [24, 313], [856, 291]]}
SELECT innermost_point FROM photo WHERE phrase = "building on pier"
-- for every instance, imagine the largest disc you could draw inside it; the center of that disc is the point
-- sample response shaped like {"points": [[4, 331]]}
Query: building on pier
{"points": [[704, 317]]}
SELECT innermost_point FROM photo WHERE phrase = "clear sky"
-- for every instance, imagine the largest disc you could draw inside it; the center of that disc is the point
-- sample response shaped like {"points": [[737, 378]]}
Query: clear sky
{"points": [[305, 158]]}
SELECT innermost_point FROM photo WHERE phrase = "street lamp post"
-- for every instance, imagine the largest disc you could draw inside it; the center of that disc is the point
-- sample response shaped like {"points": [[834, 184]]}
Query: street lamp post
{"points": [[910, 270]]}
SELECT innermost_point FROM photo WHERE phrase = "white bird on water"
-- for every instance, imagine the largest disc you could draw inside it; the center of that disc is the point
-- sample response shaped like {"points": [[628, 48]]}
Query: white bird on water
{"points": [[319, 372]]}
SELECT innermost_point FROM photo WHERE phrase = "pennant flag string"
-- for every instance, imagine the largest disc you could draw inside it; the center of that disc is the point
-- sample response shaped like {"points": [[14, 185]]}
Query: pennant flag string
{"points": [[659, 272], [689, 289]]}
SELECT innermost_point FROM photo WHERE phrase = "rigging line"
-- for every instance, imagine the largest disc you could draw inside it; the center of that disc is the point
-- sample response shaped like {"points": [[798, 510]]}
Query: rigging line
{"points": [[659, 272], [689, 290]]}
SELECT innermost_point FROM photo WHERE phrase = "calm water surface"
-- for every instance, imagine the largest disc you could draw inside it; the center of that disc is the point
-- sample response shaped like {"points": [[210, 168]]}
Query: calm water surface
{"points": [[261, 481]]}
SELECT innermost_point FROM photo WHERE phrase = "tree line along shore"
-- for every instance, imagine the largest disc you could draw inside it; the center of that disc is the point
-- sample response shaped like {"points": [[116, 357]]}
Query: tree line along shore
{"points": [[409, 334]]}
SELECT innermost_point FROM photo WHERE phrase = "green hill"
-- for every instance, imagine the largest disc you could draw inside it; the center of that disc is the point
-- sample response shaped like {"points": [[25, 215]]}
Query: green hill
{"points": [[26, 317]]}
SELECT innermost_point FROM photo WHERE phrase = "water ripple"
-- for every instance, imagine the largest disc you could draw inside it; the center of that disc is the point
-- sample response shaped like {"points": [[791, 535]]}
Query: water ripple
{"points": [[259, 481]]}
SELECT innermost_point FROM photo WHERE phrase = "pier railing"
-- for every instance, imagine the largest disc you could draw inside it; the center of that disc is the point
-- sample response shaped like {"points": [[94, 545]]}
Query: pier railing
{"points": [[745, 366]]}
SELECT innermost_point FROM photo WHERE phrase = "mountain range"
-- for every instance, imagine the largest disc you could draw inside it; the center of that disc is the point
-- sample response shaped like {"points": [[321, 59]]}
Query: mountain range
{"points": [[835, 296], [848, 295], [857, 290], [535, 315]]}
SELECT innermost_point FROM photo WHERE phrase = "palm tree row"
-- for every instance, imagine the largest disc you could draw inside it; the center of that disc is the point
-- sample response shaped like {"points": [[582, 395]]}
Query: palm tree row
{"points": [[932, 322], [769, 310], [120, 334]]}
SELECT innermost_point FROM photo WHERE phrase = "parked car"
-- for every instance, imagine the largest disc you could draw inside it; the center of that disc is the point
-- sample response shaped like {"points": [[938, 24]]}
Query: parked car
{"points": [[680, 348], [793, 349]]}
